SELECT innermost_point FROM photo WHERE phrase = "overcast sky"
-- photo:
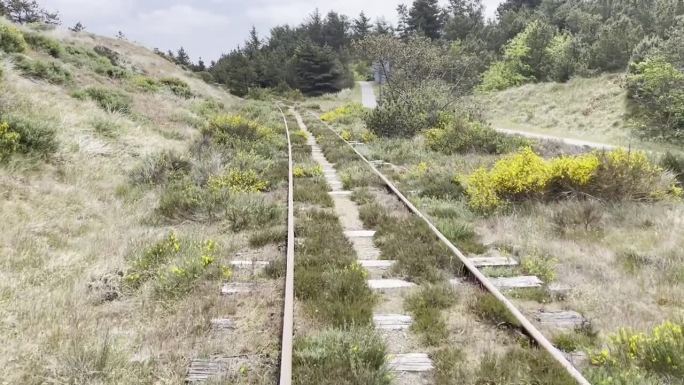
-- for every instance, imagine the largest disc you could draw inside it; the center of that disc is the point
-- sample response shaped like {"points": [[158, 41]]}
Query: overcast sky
{"points": [[207, 28]]}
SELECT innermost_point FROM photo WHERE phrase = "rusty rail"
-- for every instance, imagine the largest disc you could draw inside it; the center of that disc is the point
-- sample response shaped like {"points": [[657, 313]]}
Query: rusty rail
{"points": [[531, 330], [288, 308]]}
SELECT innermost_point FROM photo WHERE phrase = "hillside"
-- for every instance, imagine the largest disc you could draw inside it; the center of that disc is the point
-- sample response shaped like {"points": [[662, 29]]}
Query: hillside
{"points": [[112, 251], [591, 109]]}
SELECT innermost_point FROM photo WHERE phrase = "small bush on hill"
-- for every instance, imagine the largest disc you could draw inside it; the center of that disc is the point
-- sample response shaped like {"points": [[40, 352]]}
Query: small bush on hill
{"points": [[656, 88], [616, 175], [109, 99], [145, 84], [26, 135], [463, 136], [177, 86], [51, 71], [43, 43], [238, 181], [87, 58], [225, 129], [11, 39], [160, 168], [675, 164]]}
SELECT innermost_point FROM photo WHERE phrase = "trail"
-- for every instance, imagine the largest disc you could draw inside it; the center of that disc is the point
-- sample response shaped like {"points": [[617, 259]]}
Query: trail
{"points": [[368, 95], [570, 141]]}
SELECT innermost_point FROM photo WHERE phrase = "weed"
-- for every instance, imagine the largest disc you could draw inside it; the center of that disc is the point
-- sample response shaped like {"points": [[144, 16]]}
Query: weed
{"points": [[373, 215], [674, 164], [543, 267], [588, 214], [426, 306], [180, 279], [267, 236], [490, 309], [159, 168], [461, 234], [357, 174], [105, 126], [275, 269], [575, 340], [144, 266], [9, 141], [49, 71], [31, 135], [237, 181], [181, 199], [522, 365], [312, 191], [300, 171], [334, 356]]}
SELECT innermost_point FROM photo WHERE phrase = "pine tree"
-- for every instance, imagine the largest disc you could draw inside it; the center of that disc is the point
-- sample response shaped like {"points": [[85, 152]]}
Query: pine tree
{"points": [[27, 11], [334, 31], [317, 71], [361, 27], [78, 27], [120, 35], [201, 67], [466, 19], [182, 57], [253, 43], [425, 16], [403, 24], [314, 27], [382, 28]]}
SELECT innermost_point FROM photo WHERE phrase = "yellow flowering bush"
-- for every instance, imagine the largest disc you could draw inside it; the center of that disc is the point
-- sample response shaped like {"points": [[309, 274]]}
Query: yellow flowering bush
{"points": [[237, 181], [143, 268], [661, 351], [343, 114], [617, 174], [11, 39], [9, 140], [368, 136], [300, 171], [225, 127], [346, 135]]}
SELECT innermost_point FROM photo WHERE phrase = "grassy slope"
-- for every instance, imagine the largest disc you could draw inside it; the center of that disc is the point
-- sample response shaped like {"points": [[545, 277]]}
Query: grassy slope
{"points": [[591, 109], [73, 219]]}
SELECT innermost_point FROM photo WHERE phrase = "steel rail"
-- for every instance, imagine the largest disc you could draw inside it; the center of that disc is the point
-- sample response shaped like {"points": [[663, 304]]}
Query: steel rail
{"points": [[288, 307], [482, 279]]}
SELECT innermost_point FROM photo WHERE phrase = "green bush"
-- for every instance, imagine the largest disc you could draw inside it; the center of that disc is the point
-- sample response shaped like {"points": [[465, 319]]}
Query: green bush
{"points": [[9, 141], [656, 89], [462, 136], [82, 57], [43, 43], [674, 164], [144, 266], [177, 86], [11, 39], [488, 308], [160, 168], [501, 75], [109, 99], [145, 84], [334, 356], [27, 135], [49, 71], [271, 235]]}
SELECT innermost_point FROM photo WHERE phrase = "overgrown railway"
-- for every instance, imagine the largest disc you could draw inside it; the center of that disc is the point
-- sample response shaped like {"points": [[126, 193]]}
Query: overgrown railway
{"points": [[405, 362]]}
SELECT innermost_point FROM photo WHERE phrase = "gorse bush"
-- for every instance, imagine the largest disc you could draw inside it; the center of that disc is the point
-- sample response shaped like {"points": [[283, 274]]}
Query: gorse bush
{"points": [[43, 43], [300, 171], [225, 128], [9, 141], [11, 39], [145, 265], [238, 181], [615, 175], [656, 89], [109, 99], [50, 71], [27, 135], [660, 352], [345, 114]]}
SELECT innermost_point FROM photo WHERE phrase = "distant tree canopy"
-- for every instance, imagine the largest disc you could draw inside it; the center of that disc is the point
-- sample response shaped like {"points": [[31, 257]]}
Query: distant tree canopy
{"points": [[27, 11]]}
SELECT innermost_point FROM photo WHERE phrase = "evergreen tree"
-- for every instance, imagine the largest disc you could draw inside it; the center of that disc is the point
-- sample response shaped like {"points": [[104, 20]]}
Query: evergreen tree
{"points": [[182, 57], [253, 43], [314, 27], [27, 11], [466, 18], [425, 16], [120, 35], [317, 71], [361, 27], [403, 25], [382, 28], [78, 27], [335, 31], [201, 67]]}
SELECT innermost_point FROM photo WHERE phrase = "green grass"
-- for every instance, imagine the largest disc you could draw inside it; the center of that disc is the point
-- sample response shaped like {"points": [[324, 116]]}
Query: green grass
{"points": [[271, 235], [111, 100], [45, 44], [334, 356], [426, 307], [50, 71], [491, 310], [312, 191]]}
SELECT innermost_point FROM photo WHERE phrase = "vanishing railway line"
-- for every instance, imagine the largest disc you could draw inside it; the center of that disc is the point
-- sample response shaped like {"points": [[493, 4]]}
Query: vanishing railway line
{"points": [[414, 361]]}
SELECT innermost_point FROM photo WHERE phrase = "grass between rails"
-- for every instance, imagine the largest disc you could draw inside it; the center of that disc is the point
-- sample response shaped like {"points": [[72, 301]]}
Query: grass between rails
{"points": [[333, 290]]}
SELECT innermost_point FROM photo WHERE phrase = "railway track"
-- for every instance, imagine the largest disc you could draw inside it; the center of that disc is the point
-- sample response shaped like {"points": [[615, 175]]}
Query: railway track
{"points": [[417, 360]]}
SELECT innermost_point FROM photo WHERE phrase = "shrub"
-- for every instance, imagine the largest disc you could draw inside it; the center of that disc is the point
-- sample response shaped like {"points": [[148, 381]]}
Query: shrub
{"points": [[345, 114], [106, 126], [238, 181], [50, 71], [109, 99], [144, 266], [9, 141], [462, 136], [300, 171], [11, 39], [180, 279], [268, 236], [501, 75], [226, 127], [659, 352], [543, 267], [177, 86], [249, 211], [43, 43], [145, 84], [521, 365], [160, 168], [616, 175], [656, 88], [313, 191], [674, 164], [334, 356], [181, 199], [33, 135], [426, 306]]}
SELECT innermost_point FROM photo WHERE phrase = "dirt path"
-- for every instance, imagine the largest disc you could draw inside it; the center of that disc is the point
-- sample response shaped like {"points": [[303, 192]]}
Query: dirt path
{"points": [[368, 95], [570, 141]]}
